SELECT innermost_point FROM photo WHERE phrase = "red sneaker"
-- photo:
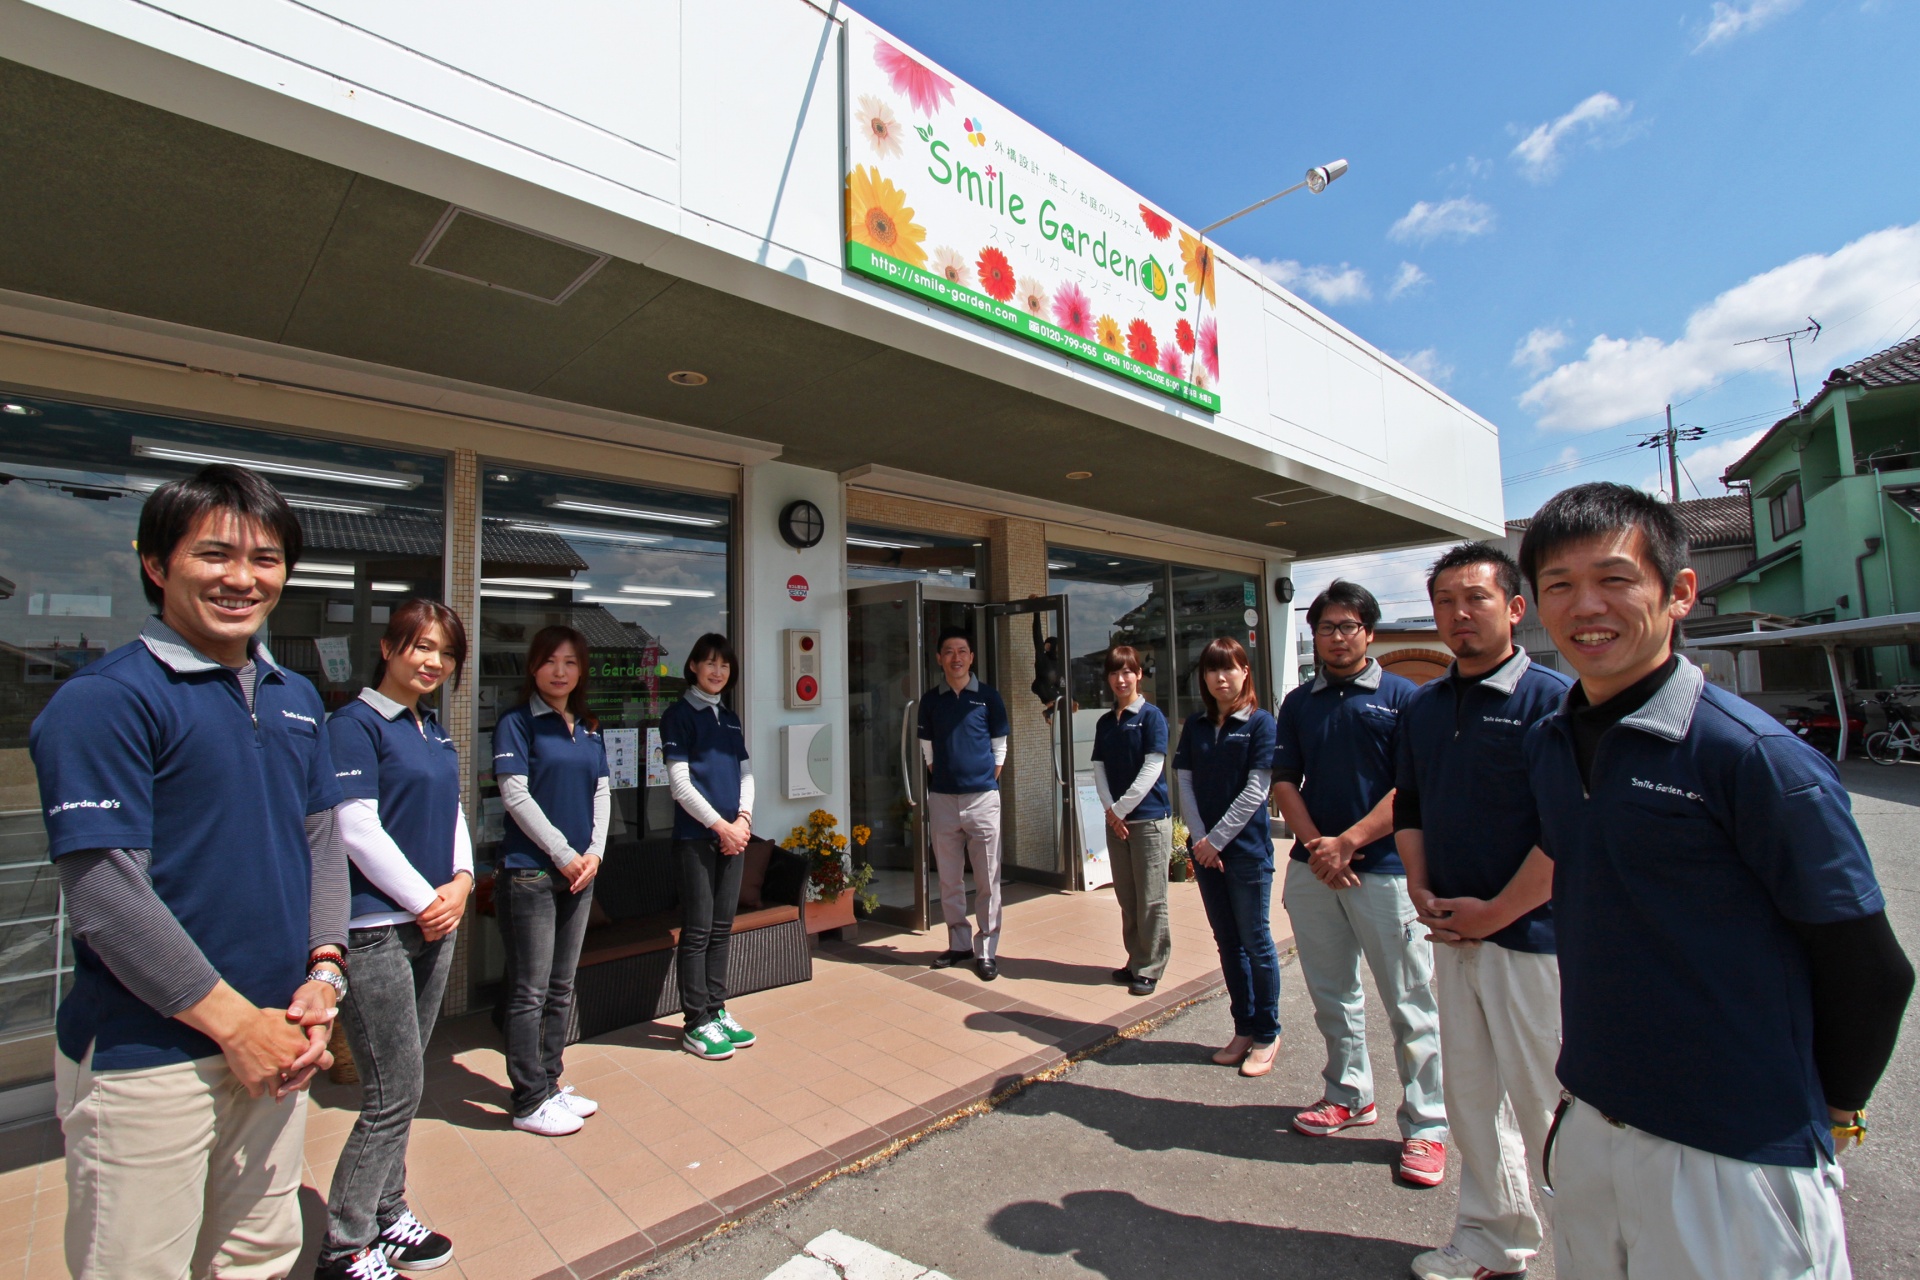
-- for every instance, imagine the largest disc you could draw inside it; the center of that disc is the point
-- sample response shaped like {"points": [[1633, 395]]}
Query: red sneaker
{"points": [[1330, 1117], [1423, 1162]]}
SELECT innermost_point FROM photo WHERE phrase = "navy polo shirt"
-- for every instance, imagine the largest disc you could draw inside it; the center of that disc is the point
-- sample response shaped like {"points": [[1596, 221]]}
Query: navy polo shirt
{"points": [[962, 726], [1221, 759], [563, 770], [1122, 741], [713, 745], [1339, 735], [1685, 1003], [153, 747], [413, 770], [1460, 757]]}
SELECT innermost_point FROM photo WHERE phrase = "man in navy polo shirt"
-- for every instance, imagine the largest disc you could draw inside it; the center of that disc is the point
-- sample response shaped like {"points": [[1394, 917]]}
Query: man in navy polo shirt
{"points": [[188, 792], [1345, 891], [963, 741], [1730, 987], [1467, 831]]}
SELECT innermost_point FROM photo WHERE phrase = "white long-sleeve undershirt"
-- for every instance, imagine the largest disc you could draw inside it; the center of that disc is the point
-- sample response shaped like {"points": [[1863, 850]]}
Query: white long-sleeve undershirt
{"points": [[685, 794], [1136, 791], [530, 818], [1252, 796], [377, 857], [999, 752]]}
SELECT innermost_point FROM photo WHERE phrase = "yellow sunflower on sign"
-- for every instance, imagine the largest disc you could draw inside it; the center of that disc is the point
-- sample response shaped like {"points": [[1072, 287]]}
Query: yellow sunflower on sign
{"points": [[1196, 261], [878, 217]]}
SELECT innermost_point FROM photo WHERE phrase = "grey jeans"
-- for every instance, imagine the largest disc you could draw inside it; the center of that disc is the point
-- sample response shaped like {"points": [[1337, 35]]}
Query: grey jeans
{"points": [[966, 828], [543, 922], [1140, 884], [393, 998]]}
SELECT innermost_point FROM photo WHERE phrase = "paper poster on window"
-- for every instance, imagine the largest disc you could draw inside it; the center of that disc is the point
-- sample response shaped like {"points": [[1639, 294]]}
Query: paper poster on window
{"points": [[656, 760], [623, 758], [336, 657], [1095, 863]]}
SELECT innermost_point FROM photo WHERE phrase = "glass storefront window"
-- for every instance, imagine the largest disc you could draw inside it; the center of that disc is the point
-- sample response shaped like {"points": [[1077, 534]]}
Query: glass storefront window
{"points": [[72, 481], [875, 554], [641, 573], [1210, 603], [1112, 600]]}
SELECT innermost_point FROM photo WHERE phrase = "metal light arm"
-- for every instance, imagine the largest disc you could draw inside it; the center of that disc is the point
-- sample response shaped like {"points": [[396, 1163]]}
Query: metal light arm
{"points": [[1317, 179]]}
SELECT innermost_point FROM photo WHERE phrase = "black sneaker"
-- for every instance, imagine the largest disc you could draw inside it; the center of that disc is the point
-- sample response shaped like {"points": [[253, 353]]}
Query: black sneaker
{"points": [[411, 1246], [368, 1264]]}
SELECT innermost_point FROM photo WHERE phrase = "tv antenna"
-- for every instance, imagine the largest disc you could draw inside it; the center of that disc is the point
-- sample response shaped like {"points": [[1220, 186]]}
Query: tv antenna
{"points": [[1810, 334]]}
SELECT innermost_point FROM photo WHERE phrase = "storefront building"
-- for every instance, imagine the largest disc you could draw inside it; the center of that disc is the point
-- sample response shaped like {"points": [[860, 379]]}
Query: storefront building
{"points": [[652, 319]]}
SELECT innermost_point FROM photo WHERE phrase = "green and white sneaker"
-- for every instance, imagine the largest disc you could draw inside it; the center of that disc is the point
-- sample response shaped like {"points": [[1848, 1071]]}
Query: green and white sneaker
{"points": [[708, 1041], [739, 1035]]}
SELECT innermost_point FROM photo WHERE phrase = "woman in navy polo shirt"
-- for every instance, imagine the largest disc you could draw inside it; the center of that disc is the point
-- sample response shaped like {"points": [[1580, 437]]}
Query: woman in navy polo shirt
{"points": [[1130, 750], [1225, 768], [712, 786], [411, 870], [551, 765]]}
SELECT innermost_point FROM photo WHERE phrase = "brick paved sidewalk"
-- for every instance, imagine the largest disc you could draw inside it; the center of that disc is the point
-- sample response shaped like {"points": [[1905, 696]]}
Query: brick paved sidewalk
{"points": [[876, 1048]]}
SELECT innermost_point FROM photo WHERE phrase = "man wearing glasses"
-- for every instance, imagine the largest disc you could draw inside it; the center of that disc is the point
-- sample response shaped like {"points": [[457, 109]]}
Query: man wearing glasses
{"points": [[1346, 892]]}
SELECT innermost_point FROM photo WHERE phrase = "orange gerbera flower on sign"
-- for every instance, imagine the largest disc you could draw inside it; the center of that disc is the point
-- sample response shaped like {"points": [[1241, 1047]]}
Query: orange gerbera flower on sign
{"points": [[996, 274], [1108, 331], [1183, 336], [1141, 344], [878, 217], [1196, 260]]}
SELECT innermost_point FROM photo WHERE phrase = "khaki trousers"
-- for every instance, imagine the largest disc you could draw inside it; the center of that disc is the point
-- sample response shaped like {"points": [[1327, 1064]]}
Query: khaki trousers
{"points": [[1140, 884], [967, 828], [174, 1173]]}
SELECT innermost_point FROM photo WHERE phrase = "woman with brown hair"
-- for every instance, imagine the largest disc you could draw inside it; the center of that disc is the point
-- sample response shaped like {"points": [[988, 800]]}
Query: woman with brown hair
{"points": [[551, 765], [1130, 758], [411, 868], [1225, 767]]}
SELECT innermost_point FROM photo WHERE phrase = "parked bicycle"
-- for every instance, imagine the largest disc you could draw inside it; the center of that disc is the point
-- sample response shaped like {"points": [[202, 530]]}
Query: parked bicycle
{"points": [[1891, 744]]}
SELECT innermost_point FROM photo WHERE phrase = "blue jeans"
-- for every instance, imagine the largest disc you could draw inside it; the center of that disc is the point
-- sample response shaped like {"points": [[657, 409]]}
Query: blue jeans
{"points": [[1239, 902]]}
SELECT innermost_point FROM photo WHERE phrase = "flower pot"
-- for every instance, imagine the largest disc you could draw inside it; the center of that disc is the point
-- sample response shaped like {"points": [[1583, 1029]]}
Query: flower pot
{"points": [[837, 914], [1179, 869]]}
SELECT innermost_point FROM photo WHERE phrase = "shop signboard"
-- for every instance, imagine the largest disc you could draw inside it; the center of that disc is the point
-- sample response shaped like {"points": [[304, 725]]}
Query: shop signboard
{"points": [[957, 201]]}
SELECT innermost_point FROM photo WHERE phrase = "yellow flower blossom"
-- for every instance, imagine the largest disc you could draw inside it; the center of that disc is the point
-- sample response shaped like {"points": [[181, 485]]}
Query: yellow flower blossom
{"points": [[878, 217], [1196, 260], [1108, 333]]}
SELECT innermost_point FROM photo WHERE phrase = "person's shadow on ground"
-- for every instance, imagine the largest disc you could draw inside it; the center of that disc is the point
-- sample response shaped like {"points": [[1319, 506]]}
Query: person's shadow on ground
{"points": [[1122, 1237]]}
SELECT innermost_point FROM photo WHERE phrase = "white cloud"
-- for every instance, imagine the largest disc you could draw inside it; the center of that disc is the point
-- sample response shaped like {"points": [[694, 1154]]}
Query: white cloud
{"points": [[1331, 285], [1728, 21], [1410, 276], [1456, 219], [1539, 153], [1858, 291], [1427, 363], [1535, 352]]}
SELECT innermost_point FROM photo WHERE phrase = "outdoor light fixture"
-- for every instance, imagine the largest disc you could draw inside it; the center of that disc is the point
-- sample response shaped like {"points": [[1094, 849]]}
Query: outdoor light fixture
{"points": [[594, 507], [633, 600], [170, 451], [1079, 475], [687, 378], [502, 593], [1317, 180], [689, 592], [1275, 524], [580, 533], [565, 584]]}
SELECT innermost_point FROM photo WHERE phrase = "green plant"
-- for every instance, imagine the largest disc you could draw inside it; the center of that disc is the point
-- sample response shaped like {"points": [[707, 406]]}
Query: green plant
{"points": [[1180, 864], [830, 866]]}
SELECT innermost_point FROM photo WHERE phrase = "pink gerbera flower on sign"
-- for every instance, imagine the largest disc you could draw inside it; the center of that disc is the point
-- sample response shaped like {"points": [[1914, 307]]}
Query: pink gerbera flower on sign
{"points": [[1210, 347], [1171, 361], [1072, 310], [921, 86]]}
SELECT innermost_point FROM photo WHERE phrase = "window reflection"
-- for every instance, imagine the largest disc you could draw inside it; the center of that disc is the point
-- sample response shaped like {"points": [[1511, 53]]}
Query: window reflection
{"points": [[876, 554]]}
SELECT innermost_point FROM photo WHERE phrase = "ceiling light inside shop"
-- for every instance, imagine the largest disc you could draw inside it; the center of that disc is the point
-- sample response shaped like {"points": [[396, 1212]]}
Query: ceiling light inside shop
{"points": [[672, 591], [881, 544], [301, 503], [592, 506], [391, 586], [564, 584], [633, 600], [19, 410], [325, 566], [323, 584], [1055, 564], [171, 451], [579, 533], [502, 593]]}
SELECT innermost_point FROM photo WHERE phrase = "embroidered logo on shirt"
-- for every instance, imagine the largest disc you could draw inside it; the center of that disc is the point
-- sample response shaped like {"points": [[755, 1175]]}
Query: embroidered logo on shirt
{"points": [[1519, 724], [348, 773], [295, 715], [82, 804], [1667, 789]]}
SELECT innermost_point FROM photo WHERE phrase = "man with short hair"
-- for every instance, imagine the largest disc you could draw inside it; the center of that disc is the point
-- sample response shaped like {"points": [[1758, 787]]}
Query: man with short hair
{"points": [[1346, 893], [189, 795], [1730, 989], [963, 742], [1467, 829]]}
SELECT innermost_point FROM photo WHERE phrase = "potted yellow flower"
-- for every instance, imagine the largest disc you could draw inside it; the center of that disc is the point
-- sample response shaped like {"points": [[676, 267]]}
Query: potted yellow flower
{"points": [[834, 884]]}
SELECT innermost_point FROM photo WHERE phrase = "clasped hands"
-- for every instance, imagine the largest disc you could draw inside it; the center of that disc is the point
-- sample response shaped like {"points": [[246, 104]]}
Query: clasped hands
{"points": [[1330, 858], [1458, 922], [733, 836]]}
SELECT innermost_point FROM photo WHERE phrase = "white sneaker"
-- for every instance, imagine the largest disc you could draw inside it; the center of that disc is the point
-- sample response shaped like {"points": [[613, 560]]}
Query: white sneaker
{"points": [[552, 1120], [579, 1104], [1448, 1263]]}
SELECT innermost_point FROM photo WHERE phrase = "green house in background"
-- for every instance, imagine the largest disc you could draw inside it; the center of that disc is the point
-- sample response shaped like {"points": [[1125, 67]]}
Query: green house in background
{"points": [[1836, 510]]}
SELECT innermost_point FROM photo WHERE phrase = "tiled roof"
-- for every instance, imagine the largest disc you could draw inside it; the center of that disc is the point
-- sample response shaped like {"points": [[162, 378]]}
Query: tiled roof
{"points": [[1711, 523], [413, 532], [1897, 366]]}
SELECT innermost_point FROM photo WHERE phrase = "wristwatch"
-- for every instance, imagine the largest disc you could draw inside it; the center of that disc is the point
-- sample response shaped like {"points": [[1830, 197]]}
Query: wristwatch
{"points": [[1849, 1132], [338, 981]]}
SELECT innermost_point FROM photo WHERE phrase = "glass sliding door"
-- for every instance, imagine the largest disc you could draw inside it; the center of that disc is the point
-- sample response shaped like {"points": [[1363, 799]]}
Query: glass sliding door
{"points": [[886, 665]]}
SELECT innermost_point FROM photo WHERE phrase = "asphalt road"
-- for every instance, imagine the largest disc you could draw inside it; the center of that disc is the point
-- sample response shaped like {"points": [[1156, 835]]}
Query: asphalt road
{"points": [[1146, 1161]]}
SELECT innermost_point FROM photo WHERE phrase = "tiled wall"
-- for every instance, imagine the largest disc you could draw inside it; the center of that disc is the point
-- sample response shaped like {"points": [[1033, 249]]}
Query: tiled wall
{"points": [[463, 593]]}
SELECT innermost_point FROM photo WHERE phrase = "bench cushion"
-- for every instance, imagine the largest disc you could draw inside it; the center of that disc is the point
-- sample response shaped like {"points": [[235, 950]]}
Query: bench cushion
{"points": [[661, 932]]}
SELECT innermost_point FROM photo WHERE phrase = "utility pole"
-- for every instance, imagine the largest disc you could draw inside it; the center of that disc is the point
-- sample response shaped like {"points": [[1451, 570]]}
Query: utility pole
{"points": [[1673, 457], [1670, 441]]}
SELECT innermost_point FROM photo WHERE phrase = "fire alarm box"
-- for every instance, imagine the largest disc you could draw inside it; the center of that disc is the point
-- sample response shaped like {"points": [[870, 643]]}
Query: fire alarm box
{"points": [[803, 670]]}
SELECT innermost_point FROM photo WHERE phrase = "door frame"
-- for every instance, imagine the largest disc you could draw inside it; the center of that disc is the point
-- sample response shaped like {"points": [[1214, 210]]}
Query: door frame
{"points": [[914, 917], [1066, 818]]}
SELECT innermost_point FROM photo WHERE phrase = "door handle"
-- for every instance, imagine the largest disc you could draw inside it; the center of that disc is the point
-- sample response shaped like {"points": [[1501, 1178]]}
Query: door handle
{"points": [[906, 767]]}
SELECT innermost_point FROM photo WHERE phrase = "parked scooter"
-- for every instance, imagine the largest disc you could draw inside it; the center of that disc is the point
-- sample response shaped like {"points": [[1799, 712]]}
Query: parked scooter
{"points": [[1819, 728]]}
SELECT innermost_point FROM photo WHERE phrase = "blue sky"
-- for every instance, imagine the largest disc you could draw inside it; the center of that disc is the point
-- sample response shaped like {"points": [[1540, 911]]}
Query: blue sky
{"points": [[1564, 215]]}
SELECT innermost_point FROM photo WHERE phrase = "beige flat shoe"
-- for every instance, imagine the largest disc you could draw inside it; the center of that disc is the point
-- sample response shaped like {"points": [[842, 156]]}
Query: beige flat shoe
{"points": [[1235, 1050], [1260, 1058]]}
